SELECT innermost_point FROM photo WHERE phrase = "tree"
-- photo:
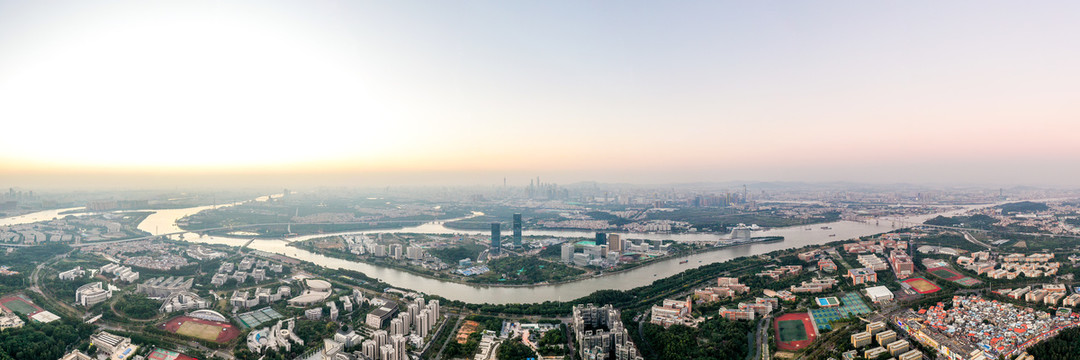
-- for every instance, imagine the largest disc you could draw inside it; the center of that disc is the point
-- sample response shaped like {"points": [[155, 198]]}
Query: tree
{"points": [[513, 349]]}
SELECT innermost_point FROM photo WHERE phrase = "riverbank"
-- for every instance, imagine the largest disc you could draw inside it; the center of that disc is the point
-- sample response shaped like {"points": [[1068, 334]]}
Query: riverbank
{"points": [[163, 222], [305, 245], [285, 233]]}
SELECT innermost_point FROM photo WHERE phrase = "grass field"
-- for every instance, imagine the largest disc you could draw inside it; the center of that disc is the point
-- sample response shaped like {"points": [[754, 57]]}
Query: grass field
{"points": [[792, 330], [922, 286], [202, 331], [19, 305]]}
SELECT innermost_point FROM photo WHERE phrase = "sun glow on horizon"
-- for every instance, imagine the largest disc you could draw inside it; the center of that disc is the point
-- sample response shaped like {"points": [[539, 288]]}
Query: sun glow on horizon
{"points": [[675, 89]]}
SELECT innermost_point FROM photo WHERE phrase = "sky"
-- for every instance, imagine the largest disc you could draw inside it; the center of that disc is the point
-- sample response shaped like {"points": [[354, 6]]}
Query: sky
{"points": [[409, 92]]}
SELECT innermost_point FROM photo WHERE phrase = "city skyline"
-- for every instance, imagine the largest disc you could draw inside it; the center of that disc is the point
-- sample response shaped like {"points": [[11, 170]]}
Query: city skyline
{"points": [[131, 93]]}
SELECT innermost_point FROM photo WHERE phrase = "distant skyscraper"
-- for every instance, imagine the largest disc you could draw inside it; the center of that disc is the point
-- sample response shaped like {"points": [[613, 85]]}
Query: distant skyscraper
{"points": [[496, 239], [614, 243], [517, 230], [601, 239]]}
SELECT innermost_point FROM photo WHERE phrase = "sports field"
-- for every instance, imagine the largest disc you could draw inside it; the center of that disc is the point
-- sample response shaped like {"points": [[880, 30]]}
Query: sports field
{"points": [[945, 273], [20, 304], [794, 331], [922, 286], [201, 329], [791, 330]]}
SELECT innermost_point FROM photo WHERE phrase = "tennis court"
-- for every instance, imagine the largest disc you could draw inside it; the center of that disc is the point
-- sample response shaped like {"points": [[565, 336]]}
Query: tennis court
{"points": [[945, 273], [967, 281], [162, 354], [851, 304], [255, 318]]}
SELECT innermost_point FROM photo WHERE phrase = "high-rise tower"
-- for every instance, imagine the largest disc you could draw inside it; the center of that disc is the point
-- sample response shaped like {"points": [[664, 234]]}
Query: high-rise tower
{"points": [[496, 239], [517, 230]]}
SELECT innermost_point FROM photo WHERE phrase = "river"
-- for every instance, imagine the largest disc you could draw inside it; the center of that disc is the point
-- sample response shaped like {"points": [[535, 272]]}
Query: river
{"points": [[34, 217], [163, 222]]}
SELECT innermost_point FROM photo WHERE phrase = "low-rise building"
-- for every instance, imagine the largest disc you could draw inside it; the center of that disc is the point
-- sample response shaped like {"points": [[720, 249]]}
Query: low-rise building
{"points": [[313, 313], [77, 355], [898, 347], [816, 285], [885, 337], [911, 355], [862, 275], [183, 300], [1072, 300], [874, 352], [827, 265], [72, 274], [873, 262], [672, 312], [737, 314], [376, 318], [117, 347], [860, 339], [219, 279], [162, 287], [875, 327], [902, 264], [92, 294], [879, 294], [10, 321]]}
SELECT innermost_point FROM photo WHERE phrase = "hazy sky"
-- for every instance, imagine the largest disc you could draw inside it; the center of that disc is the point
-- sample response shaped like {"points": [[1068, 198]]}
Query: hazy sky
{"points": [[921, 91]]}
